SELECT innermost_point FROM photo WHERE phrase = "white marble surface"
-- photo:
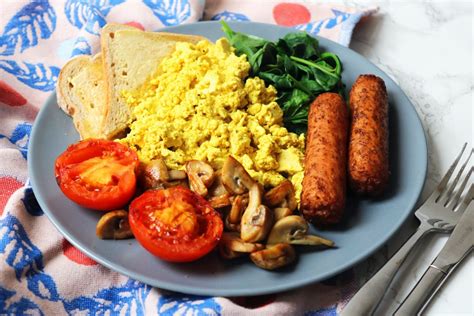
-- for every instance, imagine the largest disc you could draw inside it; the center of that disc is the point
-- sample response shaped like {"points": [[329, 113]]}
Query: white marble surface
{"points": [[427, 47]]}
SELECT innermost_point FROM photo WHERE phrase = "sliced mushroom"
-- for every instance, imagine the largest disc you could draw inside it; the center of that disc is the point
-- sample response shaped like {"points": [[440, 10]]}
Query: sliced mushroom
{"points": [[154, 174], [283, 195], [201, 169], [226, 253], [220, 201], [217, 188], [274, 257], [294, 230], [230, 226], [235, 178], [231, 246], [233, 242], [281, 212], [257, 226], [114, 225], [245, 196], [257, 219], [239, 204], [201, 175], [177, 175], [196, 185]]}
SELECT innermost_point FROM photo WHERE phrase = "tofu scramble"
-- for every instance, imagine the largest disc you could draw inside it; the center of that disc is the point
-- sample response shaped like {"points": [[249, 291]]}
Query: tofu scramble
{"points": [[201, 105]]}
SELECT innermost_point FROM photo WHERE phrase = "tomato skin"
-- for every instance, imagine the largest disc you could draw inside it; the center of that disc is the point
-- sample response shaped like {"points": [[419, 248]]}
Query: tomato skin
{"points": [[169, 244], [98, 174]]}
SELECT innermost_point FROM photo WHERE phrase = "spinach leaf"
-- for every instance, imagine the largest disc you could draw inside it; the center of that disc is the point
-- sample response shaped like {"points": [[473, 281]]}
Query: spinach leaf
{"points": [[299, 44], [267, 55], [243, 44], [295, 66]]}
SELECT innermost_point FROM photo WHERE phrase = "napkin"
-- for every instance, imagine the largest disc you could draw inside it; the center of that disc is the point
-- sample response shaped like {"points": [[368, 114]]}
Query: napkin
{"points": [[40, 271]]}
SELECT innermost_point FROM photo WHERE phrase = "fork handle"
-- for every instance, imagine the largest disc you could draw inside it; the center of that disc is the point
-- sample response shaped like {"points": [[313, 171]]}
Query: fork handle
{"points": [[368, 297], [422, 292]]}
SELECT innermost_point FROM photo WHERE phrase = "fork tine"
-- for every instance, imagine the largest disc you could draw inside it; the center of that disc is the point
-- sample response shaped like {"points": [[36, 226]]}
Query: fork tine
{"points": [[447, 195], [455, 200], [442, 185], [467, 199]]}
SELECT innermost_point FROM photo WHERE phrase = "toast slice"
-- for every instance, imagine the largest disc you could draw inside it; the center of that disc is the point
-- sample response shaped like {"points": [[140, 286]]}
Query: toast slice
{"points": [[81, 94], [131, 57]]}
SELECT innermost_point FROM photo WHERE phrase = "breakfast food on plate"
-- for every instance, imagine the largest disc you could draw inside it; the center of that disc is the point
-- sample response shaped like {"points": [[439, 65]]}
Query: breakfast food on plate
{"points": [[201, 106], [130, 57], [368, 141], [179, 224], [175, 224], [89, 88], [249, 213], [81, 94], [114, 225], [274, 256], [81, 91], [324, 183], [295, 65], [98, 174], [203, 155]]}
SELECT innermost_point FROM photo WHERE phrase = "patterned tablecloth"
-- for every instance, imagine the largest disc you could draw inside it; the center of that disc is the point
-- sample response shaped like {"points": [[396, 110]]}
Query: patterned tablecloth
{"points": [[41, 273]]}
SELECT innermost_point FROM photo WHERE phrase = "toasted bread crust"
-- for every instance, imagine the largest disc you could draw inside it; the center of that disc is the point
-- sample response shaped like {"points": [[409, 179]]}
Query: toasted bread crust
{"points": [[61, 89], [87, 118], [79, 83]]}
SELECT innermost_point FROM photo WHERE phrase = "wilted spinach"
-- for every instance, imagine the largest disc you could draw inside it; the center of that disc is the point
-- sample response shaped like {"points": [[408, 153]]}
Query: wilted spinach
{"points": [[295, 66]]}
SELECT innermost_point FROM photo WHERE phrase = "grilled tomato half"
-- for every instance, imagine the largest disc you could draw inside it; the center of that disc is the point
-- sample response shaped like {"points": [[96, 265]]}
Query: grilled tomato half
{"points": [[98, 174], [175, 224]]}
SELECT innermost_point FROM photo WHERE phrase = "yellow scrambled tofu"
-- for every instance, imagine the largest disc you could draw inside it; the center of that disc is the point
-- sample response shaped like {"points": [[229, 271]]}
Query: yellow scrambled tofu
{"points": [[201, 105]]}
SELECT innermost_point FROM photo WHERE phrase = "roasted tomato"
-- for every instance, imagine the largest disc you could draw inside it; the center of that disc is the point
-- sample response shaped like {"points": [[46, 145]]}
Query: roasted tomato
{"points": [[97, 173], [175, 224]]}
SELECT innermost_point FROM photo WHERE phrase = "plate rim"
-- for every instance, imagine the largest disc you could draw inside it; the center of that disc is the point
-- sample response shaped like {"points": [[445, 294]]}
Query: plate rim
{"points": [[228, 292]]}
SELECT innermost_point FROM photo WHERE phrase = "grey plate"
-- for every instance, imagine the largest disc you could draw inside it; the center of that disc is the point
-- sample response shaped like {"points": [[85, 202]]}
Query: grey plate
{"points": [[369, 225]]}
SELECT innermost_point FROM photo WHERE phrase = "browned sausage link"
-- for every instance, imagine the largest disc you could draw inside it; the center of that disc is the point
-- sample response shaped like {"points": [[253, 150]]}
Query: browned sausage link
{"points": [[323, 197], [368, 140]]}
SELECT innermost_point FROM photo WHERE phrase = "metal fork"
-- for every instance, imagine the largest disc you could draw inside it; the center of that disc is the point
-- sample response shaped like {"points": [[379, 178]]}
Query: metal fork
{"points": [[439, 213]]}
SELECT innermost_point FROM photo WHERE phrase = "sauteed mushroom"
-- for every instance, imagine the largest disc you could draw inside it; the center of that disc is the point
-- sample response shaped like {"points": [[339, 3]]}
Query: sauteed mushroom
{"points": [[257, 219], [274, 257], [281, 212], [114, 225], [154, 174], [283, 195], [227, 253], [217, 194], [177, 175], [235, 178], [201, 175], [239, 204], [231, 246], [233, 242], [231, 226], [294, 230], [217, 188], [220, 201]]}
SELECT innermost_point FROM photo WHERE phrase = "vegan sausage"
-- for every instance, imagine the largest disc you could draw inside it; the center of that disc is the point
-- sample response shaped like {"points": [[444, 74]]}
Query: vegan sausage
{"points": [[368, 139], [323, 197]]}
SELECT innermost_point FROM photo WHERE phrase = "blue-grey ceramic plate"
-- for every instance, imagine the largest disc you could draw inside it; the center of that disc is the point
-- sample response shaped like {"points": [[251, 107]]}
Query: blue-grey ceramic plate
{"points": [[369, 225]]}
